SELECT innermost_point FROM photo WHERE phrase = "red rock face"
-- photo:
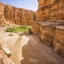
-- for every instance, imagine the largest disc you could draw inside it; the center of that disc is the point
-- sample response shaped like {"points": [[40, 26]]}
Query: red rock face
{"points": [[50, 10], [16, 15], [1, 8]]}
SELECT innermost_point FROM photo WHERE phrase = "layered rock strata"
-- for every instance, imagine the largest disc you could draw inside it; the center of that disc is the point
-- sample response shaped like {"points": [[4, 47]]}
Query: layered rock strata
{"points": [[10, 14], [50, 14], [50, 34], [47, 34], [50, 10], [58, 44], [36, 28]]}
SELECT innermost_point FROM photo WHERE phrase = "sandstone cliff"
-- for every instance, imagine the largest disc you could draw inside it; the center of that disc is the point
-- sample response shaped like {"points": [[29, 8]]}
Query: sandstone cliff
{"points": [[50, 33], [50, 10], [10, 14]]}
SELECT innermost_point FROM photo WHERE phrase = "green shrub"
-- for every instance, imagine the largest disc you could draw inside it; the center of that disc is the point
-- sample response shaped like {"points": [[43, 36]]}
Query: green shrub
{"points": [[18, 29]]}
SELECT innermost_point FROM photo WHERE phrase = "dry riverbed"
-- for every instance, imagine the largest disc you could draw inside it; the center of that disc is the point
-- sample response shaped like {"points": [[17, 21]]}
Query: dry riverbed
{"points": [[28, 49]]}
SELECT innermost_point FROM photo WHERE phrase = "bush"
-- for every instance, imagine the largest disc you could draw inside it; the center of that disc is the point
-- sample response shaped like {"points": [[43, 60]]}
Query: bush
{"points": [[18, 29]]}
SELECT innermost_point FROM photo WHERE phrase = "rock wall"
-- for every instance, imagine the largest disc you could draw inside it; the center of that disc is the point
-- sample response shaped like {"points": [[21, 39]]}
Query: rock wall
{"points": [[16, 15], [2, 19], [36, 28], [51, 34], [49, 15], [47, 34], [58, 44], [50, 10]]}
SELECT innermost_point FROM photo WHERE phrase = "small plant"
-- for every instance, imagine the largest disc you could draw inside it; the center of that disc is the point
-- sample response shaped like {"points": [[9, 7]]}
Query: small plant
{"points": [[18, 29], [10, 29]]}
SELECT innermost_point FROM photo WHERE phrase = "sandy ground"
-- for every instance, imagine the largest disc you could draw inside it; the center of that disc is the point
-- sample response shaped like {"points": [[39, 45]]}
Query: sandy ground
{"points": [[35, 52], [29, 52]]}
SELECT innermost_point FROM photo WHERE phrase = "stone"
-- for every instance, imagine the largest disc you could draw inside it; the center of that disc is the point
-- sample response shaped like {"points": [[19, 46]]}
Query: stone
{"points": [[13, 45], [7, 51], [58, 44], [47, 34], [4, 59], [18, 15], [50, 10], [36, 28], [2, 19], [16, 49], [0, 46], [10, 15]]}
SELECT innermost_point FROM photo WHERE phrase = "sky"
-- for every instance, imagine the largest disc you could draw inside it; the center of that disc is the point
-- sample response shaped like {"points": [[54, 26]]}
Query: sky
{"points": [[26, 4]]}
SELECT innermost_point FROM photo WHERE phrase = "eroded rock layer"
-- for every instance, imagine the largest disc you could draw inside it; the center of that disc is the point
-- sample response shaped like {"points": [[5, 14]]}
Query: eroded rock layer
{"points": [[50, 10], [16, 15], [50, 33], [58, 44]]}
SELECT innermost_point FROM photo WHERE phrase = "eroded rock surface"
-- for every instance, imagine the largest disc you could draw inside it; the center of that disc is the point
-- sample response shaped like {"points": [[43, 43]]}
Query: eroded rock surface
{"points": [[10, 14], [4, 59], [50, 10], [58, 44]]}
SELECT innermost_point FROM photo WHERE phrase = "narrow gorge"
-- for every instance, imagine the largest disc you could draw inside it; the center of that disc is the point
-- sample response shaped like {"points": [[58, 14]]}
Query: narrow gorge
{"points": [[32, 37]]}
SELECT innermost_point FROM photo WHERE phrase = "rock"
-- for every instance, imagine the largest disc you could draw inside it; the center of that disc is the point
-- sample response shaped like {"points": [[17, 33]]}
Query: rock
{"points": [[47, 34], [0, 46], [36, 28], [4, 59], [2, 19], [16, 49], [58, 44], [50, 10], [12, 15], [2, 8], [13, 45], [7, 51]]}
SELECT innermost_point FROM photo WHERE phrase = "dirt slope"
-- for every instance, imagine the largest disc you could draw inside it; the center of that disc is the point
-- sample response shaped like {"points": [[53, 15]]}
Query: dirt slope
{"points": [[36, 52]]}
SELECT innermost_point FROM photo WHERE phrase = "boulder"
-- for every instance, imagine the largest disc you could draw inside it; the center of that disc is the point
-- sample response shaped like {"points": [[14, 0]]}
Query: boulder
{"points": [[4, 59]]}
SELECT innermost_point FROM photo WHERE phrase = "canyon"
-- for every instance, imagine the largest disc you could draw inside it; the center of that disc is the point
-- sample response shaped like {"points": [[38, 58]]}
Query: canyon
{"points": [[46, 42], [13, 15], [49, 25]]}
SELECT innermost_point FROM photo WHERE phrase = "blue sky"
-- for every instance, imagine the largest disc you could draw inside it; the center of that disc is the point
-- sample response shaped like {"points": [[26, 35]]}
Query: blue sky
{"points": [[26, 4]]}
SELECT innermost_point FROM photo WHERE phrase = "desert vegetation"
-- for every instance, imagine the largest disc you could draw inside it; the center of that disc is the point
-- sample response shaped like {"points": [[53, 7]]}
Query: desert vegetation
{"points": [[32, 37], [18, 28]]}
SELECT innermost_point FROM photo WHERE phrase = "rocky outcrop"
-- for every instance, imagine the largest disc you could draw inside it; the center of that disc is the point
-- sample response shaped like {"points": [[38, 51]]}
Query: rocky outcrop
{"points": [[50, 10], [58, 44], [36, 28], [4, 59], [18, 16], [2, 19], [10, 14], [47, 34], [51, 34]]}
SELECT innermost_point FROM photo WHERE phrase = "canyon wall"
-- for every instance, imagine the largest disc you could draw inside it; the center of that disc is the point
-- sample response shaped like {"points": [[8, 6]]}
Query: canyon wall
{"points": [[50, 10], [49, 26], [15, 15], [2, 18]]}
